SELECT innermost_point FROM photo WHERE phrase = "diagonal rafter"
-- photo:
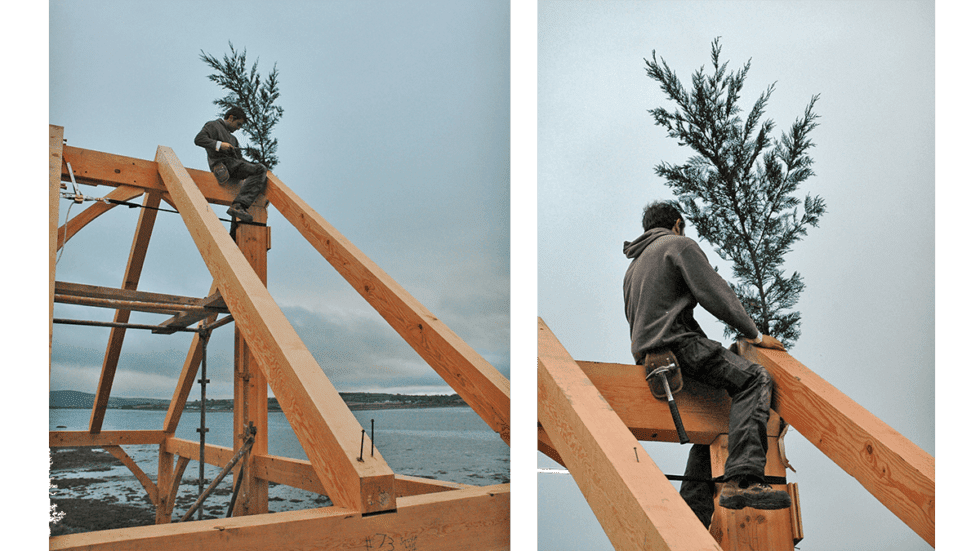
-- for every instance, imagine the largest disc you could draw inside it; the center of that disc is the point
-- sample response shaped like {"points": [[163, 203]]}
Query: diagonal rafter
{"points": [[477, 382], [901, 475], [324, 426], [634, 502], [134, 268]]}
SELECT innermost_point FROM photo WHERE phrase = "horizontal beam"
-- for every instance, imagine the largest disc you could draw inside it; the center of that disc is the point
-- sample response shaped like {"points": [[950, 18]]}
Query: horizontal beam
{"points": [[106, 169], [327, 430], [477, 382], [122, 294], [897, 472], [634, 502], [472, 518], [85, 439]]}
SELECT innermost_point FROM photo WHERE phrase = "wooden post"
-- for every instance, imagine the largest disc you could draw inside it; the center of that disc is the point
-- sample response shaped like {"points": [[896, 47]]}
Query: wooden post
{"points": [[753, 529], [634, 502], [56, 138], [897, 472], [251, 387]]}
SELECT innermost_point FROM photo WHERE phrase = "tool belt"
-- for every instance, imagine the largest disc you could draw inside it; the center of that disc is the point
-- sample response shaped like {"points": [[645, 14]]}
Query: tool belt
{"points": [[675, 380], [221, 173]]}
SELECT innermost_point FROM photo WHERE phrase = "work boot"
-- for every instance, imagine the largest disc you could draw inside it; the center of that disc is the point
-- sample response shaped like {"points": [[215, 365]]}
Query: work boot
{"points": [[239, 212], [750, 491]]}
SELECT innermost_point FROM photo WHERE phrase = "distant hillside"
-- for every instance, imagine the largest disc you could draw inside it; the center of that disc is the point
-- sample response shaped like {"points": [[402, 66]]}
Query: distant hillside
{"points": [[72, 399]]}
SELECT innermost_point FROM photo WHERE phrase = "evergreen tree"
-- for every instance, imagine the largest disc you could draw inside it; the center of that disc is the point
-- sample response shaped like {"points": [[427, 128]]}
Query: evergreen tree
{"points": [[738, 189], [257, 97]]}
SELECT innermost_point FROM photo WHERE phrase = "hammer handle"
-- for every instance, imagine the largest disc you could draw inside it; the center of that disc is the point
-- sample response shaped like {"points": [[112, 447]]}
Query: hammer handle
{"points": [[678, 424]]}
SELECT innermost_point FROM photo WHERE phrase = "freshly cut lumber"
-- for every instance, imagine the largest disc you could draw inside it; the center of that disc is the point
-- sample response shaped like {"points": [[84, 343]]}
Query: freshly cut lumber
{"points": [[471, 518], [897, 472], [477, 382], [67, 439], [324, 425], [106, 169], [634, 502], [56, 144]]}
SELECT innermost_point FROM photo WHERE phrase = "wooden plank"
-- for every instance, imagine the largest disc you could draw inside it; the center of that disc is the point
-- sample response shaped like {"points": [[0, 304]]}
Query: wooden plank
{"points": [[211, 305], [125, 459], [415, 486], [634, 502], [897, 472], [64, 439], [473, 518], [250, 387], [324, 425], [168, 494], [56, 141], [131, 295], [134, 268], [106, 169], [469, 374], [218, 456], [93, 211]]}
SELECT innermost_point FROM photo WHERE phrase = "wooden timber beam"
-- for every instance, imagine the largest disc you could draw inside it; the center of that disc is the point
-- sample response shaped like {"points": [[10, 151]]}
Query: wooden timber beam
{"points": [[324, 425], [85, 439], [125, 459], [106, 169], [634, 502], [210, 306], [173, 302], [472, 518], [134, 268], [56, 144], [477, 382], [897, 472], [93, 211]]}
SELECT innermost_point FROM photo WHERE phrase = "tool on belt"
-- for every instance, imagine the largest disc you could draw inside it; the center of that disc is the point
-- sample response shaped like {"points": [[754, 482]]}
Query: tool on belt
{"points": [[663, 375]]}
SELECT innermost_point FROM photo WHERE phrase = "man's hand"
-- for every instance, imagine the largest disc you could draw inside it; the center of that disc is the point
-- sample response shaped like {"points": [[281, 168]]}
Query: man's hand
{"points": [[225, 146], [770, 342]]}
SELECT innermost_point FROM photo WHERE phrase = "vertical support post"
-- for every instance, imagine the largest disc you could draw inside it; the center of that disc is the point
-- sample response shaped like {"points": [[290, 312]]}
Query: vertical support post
{"points": [[251, 387], [56, 137], [753, 529]]}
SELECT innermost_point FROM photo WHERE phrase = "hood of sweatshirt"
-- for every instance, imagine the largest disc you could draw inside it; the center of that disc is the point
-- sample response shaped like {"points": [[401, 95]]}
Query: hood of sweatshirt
{"points": [[632, 249]]}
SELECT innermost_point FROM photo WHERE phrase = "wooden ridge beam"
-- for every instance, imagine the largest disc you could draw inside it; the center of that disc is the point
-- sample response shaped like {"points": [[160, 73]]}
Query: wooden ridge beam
{"points": [[897, 472], [86, 439], [324, 425], [634, 502], [477, 382], [472, 518], [93, 211], [106, 169]]}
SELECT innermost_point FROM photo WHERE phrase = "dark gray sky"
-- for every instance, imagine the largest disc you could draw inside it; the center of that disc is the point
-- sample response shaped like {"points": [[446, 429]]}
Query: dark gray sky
{"points": [[868, 307], [395, 130]]}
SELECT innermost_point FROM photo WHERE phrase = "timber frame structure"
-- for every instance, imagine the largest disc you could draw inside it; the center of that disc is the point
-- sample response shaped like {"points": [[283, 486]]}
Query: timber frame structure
{"points": [[372, 506], [592, 415]]}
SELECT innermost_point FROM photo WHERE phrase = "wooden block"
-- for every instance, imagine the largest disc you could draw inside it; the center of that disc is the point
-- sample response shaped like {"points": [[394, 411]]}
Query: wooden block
{"points": [[897, 472], [634, 502]]}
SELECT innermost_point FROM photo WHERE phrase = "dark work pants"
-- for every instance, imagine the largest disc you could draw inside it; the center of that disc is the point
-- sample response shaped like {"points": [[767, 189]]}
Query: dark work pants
{"points": [[253, 177], [750, 387]]}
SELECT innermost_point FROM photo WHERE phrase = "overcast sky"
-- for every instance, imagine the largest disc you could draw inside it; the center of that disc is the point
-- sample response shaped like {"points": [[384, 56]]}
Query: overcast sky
{"points": [[395, 130], [868, 308]]}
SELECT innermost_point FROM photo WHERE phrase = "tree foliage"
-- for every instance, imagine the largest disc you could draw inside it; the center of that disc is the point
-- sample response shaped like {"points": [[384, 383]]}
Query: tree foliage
{"points": [[247, 89], [738, 190]]}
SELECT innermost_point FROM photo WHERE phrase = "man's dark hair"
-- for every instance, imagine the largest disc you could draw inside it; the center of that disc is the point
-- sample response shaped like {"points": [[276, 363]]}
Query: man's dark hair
{"points": [[660, 214], [236, 112]]}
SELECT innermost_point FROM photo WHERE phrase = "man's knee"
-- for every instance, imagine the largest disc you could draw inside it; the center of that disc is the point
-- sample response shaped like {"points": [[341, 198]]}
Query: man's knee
{"points": [[761, 376]]}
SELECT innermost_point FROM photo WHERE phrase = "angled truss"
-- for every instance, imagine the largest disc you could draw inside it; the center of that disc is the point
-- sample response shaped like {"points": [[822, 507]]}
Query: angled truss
{"points": [[591, 416], [369, 500]]}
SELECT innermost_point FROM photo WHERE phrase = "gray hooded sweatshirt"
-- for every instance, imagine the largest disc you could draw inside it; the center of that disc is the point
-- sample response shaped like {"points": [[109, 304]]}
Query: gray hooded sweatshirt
{"points": [[668, 277]]}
